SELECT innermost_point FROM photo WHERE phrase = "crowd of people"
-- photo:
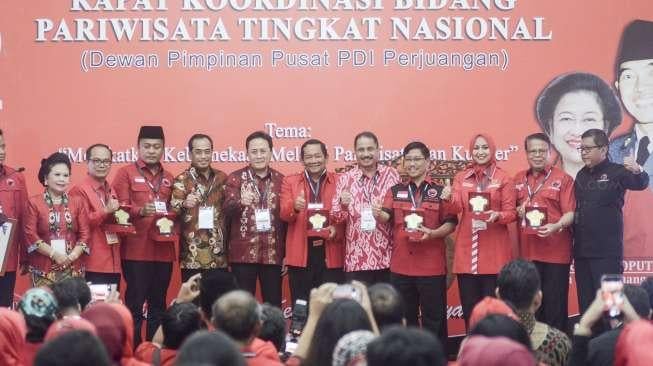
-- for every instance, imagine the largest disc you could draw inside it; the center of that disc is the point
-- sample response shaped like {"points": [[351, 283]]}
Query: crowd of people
{"points": [[334, 234]]}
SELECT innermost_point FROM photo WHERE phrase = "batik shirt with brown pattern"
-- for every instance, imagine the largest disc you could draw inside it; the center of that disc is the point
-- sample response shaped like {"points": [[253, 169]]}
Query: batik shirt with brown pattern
{"points": [[200, 248]]}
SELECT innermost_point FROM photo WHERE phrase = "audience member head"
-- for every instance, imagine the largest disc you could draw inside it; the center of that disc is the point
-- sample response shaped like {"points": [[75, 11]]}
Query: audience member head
{"points": [[238, 315], [497, 325], [638, 298], [179, 322], [405, 346], [648, 286], [39, 307], [351, 349], [494, 351], [128, 324], [72, 294], [519, 283], [110, 328], [214, 284], [490, 305], [12, 337], [68, 324], [273, 326], [634, 345], [75, 348], [209, 348], [338, 318], [387, 305]]}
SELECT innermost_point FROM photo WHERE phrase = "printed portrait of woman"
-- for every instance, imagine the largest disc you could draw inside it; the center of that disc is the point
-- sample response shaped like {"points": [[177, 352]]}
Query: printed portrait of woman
{"points": [[570, 105]]}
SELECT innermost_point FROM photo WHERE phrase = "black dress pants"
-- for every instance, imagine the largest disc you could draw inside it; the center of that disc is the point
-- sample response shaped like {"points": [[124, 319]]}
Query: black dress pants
{"points": [[146, 281], [269, 276], [472, 289], [369, 278], [554, 279], [7, 285], [588, 277], [428, 294], [303, 279]]}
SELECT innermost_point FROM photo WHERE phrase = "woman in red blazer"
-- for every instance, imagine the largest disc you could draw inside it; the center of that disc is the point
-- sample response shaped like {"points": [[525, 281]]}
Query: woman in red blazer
{"points": [[484, 196], [56, 226]]}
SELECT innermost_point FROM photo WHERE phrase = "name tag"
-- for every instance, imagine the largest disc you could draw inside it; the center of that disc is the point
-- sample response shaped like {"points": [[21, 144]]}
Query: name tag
{"points": [[160, 207], [205, 219], [316, 206], [368, 222], [139, 179], [112, 238], [263, 220], [479, 224], [402, 194], [58, 245]]}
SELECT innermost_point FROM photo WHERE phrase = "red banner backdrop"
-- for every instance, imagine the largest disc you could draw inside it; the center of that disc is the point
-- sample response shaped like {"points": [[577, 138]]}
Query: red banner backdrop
{"points": [[83, 71]]}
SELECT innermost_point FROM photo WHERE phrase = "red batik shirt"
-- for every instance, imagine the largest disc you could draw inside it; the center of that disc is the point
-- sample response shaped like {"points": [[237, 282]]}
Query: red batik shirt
{"points": [[37, 229], [364, 250], [13, 197], [105, 257], [553, 189], [246, 245]]}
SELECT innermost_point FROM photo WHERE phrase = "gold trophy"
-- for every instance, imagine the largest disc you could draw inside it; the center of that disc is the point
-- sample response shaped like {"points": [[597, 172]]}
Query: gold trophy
{"points": [[121, 224]]}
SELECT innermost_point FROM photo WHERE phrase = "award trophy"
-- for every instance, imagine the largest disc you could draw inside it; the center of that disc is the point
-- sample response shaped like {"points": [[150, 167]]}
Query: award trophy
{"points": [[413, 219], [164, 228], [479, 202], [535, 217], [121, 224], [317, 223]]}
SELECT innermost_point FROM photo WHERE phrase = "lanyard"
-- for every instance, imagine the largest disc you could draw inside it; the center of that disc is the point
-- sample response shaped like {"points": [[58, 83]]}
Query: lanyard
{"points": [[315, 189], [368, 193], [532, 193], [205, 195], [262, 197], [412, 196], [104, 198], [480, 185], [153, 188]]}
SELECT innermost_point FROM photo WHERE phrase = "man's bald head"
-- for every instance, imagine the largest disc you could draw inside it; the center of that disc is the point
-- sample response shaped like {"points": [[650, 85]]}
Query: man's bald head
{"points": [[237, 314]]}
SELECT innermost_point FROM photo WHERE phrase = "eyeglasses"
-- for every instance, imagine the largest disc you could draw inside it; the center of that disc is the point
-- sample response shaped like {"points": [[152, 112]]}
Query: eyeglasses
{"points": [[589, 148], [413, 160], [538, 152], [101, 162]]}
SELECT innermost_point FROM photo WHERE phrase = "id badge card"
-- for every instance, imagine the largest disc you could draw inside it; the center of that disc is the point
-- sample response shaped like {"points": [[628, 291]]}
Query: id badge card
{"points": [[315, 206], [205, 218], [58, 245], [263, 220], [479, 224], [368, 222], [112, 238], [160, 207]]}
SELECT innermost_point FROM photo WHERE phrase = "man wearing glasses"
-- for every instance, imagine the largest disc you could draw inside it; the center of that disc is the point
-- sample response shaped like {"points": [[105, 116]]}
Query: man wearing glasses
{"points": [[103, 265], [598, 222], [422, 217], [545, 205]]}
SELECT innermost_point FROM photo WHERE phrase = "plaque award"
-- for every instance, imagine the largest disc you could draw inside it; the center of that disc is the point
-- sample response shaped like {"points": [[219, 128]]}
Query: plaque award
{"points": [[479, 202], [534, 218]]}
